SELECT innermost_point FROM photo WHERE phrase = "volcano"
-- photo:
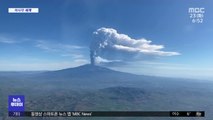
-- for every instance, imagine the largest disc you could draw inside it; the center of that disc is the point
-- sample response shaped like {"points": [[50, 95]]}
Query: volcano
{"points": [[91, 76], [94, 88]]}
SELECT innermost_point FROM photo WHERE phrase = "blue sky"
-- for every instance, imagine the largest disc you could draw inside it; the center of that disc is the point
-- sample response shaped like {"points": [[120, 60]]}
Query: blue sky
{"points": [[60, 35]]}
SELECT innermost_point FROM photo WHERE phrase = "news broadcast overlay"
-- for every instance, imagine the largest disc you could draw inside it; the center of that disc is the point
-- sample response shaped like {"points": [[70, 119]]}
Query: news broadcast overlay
{"points": [[16, 108], [16, 103], [23, 10], [107, 114], [196, 14]]}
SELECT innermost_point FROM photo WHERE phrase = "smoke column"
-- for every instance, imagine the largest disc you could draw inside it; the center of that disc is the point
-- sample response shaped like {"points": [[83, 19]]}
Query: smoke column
{"points": [[92, 59]]}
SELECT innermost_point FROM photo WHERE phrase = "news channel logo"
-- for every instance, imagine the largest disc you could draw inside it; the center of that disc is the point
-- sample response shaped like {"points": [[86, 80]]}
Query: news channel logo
{"points": [[16, 103], [196, 14]]}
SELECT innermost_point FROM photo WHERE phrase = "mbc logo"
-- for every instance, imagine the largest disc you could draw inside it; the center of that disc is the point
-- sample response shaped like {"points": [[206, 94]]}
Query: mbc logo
{"points": [[196, 10]]}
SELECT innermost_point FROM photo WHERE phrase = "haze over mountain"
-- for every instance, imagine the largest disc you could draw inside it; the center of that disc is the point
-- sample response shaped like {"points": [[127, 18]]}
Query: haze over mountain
{"points": [[91, 87], [87, 76]]}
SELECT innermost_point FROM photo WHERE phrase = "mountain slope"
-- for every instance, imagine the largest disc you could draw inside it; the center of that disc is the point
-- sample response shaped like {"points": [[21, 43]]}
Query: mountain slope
{"points": [[87, 69], [88, 76]]}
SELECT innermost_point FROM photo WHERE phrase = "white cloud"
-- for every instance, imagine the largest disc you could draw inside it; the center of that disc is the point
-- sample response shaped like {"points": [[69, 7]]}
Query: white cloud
{"points": [[7, 40], [76, 56], [172, 70], [56, 46], [109, 38], [64, 50], [100, 60], [40, 65]]}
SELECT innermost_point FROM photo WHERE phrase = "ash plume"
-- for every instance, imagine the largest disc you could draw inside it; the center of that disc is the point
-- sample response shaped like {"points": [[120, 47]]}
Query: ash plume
{"points": [[110, 46], [92, 57]]}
